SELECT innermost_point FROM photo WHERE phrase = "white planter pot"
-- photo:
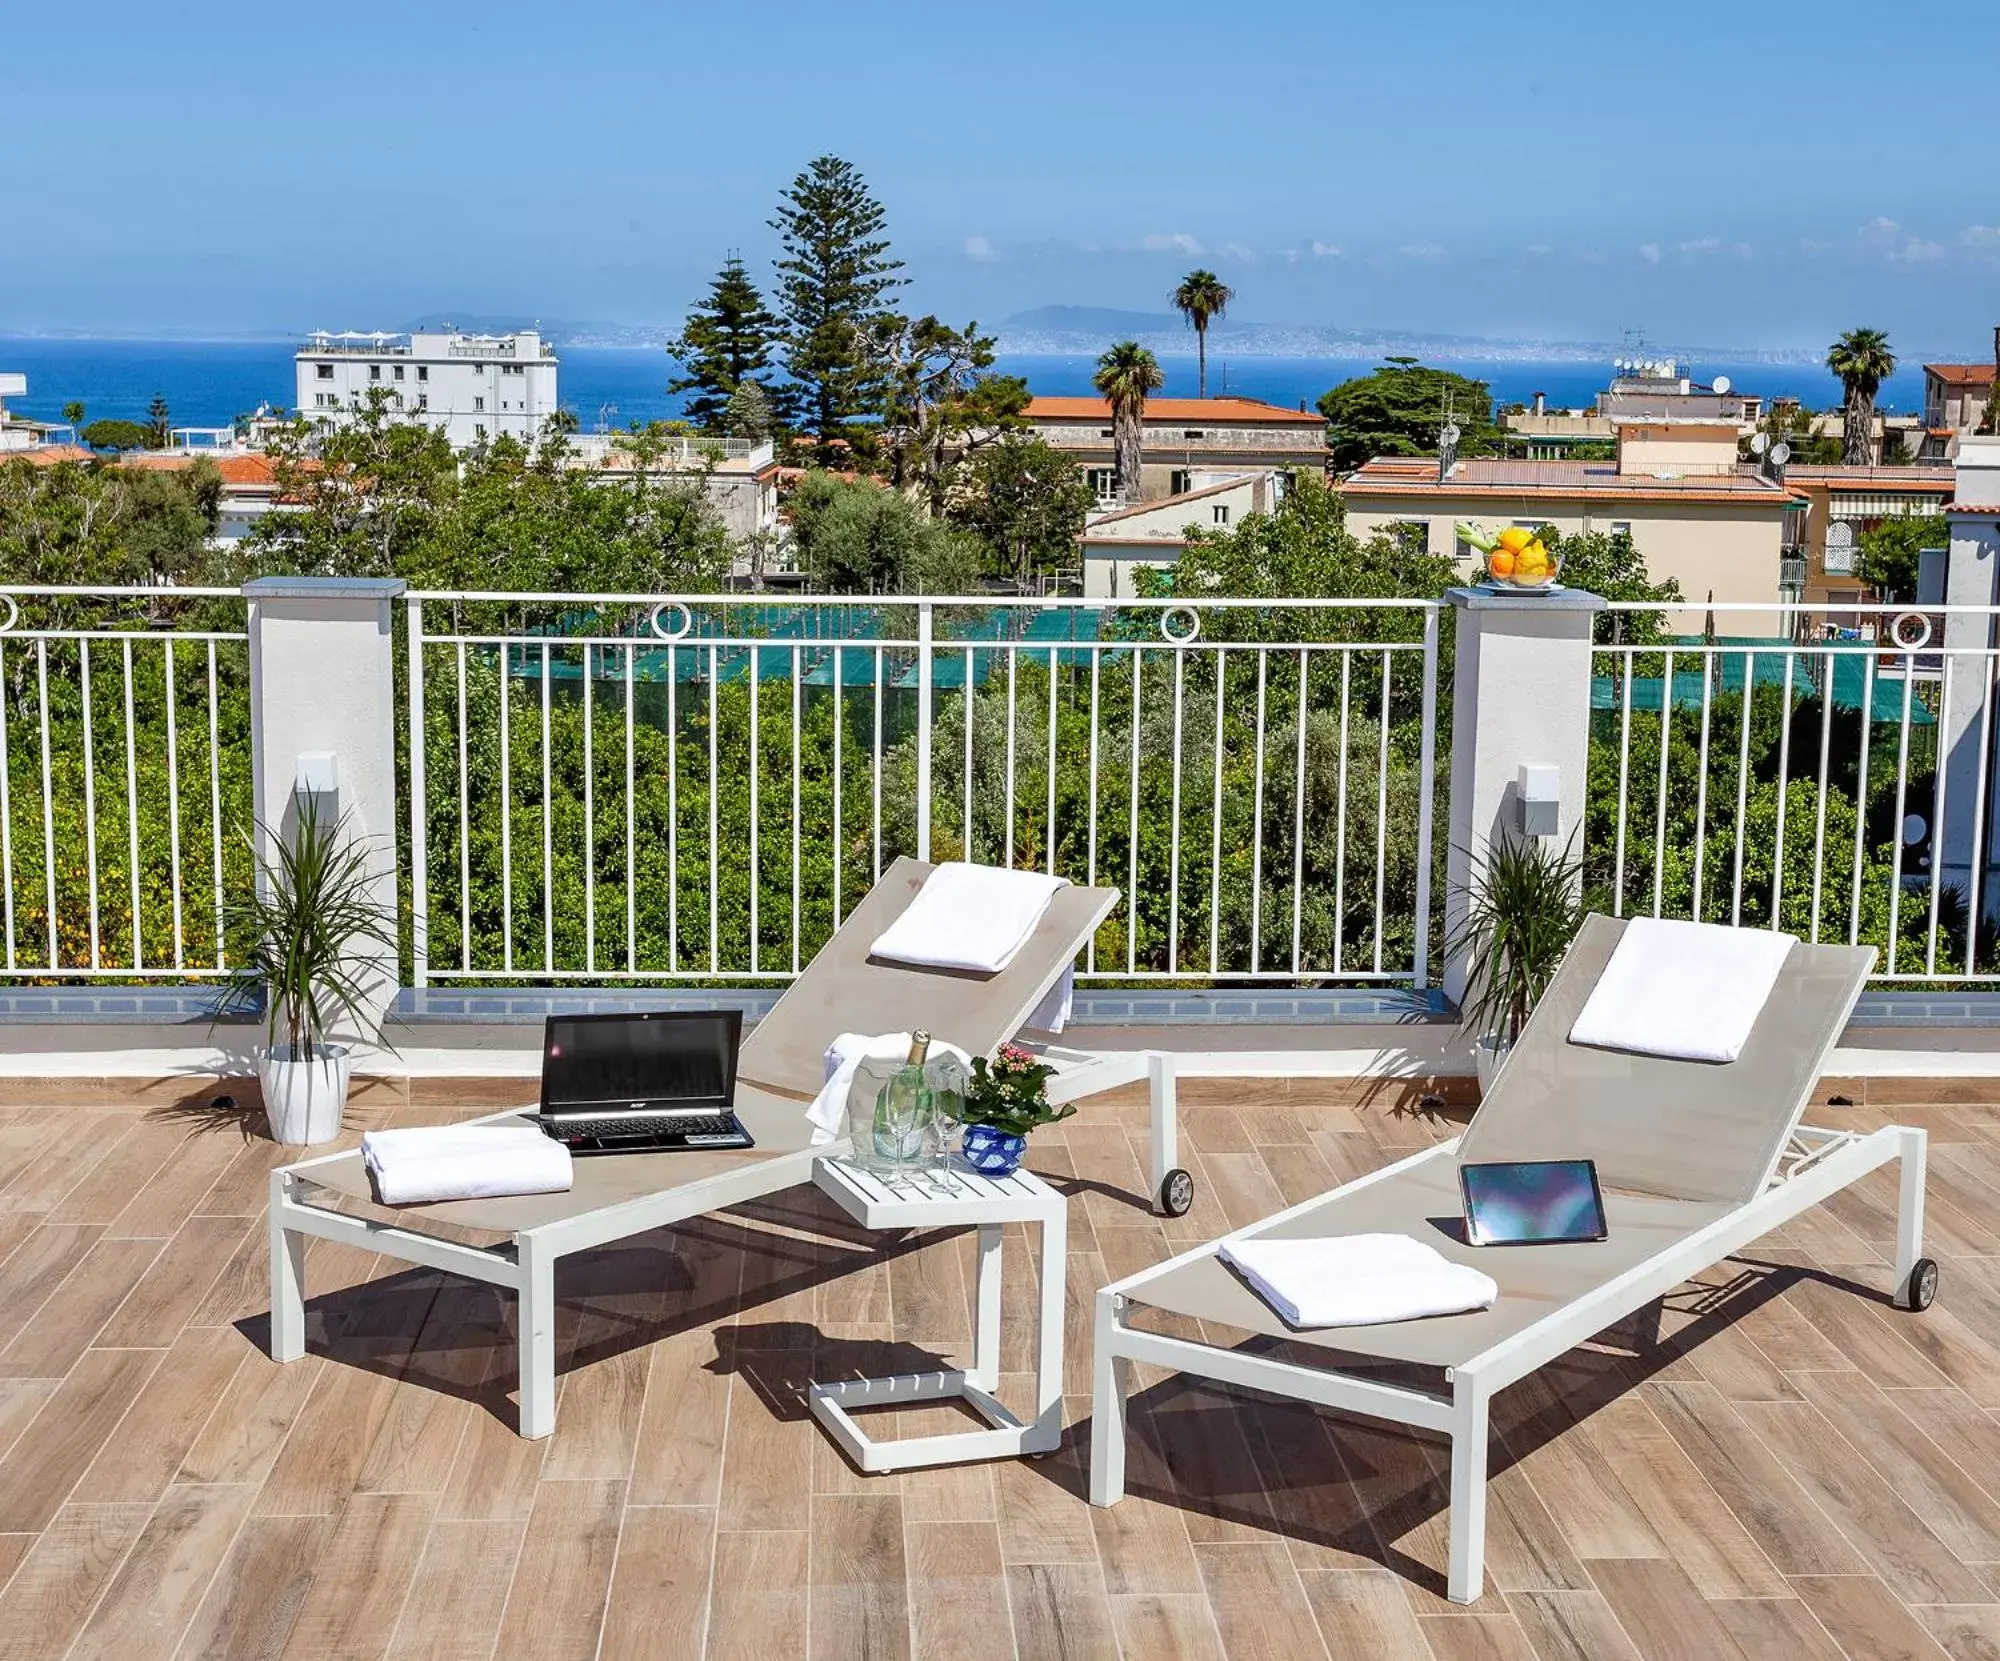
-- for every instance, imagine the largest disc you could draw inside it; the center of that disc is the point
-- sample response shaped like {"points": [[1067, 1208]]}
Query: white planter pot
{"points": [[303, 1100], [1489, 1055]]}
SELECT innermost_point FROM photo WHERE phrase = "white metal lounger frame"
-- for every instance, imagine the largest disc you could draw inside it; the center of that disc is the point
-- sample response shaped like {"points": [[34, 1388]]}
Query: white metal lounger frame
{"points": [[1818, 1163]]}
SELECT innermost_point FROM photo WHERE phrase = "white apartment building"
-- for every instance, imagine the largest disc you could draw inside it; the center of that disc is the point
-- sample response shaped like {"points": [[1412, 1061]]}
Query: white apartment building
{"points": [[473, 388]]}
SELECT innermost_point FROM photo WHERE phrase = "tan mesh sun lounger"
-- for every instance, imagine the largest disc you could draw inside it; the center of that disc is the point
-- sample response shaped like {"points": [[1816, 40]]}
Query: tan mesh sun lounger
{"points": [[1695, 1160], [618, 1195]]}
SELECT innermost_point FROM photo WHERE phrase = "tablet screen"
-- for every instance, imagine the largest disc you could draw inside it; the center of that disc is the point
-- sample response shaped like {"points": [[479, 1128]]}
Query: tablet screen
{"points": [[1531, 1202]]}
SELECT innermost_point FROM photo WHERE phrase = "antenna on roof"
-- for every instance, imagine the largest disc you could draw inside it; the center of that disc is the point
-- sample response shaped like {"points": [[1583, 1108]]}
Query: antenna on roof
{"points": [[1719, 385]]}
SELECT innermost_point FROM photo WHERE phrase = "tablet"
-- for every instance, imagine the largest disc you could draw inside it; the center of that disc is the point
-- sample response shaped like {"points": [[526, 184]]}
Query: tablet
{"points": [[1531, 1202]]}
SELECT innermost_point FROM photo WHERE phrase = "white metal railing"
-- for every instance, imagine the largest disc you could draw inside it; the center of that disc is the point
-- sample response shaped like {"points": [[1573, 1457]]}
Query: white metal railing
{"points": [[124, 768], [1847, 797], [617, 787]]}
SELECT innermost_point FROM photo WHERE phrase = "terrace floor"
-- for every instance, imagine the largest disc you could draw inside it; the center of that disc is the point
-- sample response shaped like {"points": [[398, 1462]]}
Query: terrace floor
{"points": [[1796, 1470]]}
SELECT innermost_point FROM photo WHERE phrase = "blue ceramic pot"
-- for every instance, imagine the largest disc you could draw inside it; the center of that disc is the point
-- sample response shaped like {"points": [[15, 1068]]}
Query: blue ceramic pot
{"points": [[993, 1152]]}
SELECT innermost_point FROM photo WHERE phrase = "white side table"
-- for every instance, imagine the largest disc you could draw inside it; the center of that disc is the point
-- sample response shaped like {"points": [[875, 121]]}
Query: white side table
{"points": [[952, 1199]]}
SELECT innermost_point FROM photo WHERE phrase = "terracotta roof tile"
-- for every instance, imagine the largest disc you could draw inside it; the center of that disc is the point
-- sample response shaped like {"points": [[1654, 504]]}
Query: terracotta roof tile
{"points": [[1961, 374]]}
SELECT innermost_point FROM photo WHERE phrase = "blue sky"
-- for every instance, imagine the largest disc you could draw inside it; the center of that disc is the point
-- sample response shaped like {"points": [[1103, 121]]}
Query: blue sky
{"points": [[1564, 172]]}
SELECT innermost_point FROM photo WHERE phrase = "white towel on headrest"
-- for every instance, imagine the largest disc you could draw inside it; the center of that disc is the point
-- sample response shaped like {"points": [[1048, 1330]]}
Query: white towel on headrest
{"points": [[1053, 1012], [1686, 991], [434, 1163], [1357, 1279], [969, 917], [828, 1113]]}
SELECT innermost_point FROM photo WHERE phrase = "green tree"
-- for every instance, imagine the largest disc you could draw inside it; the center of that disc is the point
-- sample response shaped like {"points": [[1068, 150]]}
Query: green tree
{"points": [[111, 434], [941, 401], [1886, 558], [1201, 298], [1608, 563], [749, 412], [108, 526], [1128, 375], [1399, 410], [727, 340], [1026, 501], [834, 276], [1863, 361], [856, 537], [159, 423], [73, 414]]}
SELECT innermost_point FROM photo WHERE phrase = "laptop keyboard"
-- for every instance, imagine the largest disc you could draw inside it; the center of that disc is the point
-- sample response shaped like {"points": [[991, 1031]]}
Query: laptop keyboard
{"points": [[678, 1124]]}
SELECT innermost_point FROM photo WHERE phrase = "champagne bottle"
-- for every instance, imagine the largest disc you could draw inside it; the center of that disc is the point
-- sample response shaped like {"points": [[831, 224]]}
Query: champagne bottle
{"points": [[903, 1109]]}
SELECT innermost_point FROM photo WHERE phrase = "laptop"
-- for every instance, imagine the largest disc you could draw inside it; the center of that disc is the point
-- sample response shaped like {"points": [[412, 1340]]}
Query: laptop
{"points": [[657, 1081]]}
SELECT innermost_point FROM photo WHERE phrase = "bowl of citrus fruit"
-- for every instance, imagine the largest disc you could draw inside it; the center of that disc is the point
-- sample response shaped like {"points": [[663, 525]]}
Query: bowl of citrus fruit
{"points": [[1515, 558]]}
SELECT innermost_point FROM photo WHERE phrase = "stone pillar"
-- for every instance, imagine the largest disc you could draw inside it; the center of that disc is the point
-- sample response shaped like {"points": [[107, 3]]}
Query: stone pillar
{"points": [[322, 683], [1972, 578], [1520, 697]]}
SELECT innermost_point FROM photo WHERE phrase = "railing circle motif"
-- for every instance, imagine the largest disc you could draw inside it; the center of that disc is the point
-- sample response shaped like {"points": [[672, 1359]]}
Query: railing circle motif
{"points": [[686, 626], [1923, 634], [1180, 638], [13, 613]]}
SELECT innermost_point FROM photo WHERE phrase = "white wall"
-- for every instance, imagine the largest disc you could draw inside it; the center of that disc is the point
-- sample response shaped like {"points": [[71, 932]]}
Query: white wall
{"points": [[470, 390]]}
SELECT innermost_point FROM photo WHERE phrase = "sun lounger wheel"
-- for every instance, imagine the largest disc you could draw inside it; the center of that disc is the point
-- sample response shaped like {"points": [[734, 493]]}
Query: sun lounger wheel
{"points": [[1920, 1291], [1176, 1194]]}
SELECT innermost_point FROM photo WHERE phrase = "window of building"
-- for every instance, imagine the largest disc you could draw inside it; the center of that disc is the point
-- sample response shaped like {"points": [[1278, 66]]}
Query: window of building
{"points": [[1622, 527], [479, 432], [374, 371], [1103, 482], [1104, 432], [1178, 482], [479, 404], [1220, 513], [1193, 432], [423, 371], [1411, 535], [324, 371], [423, 400], [399, 371]]}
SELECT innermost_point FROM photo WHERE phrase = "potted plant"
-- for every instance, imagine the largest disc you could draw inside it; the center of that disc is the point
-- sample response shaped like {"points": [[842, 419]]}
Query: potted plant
{"points": [[1522, 910], [311, 923], [1005, 1099]]}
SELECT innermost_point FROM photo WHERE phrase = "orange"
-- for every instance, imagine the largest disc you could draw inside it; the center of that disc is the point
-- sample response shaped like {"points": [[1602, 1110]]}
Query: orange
{"points": [[1500, 563]]}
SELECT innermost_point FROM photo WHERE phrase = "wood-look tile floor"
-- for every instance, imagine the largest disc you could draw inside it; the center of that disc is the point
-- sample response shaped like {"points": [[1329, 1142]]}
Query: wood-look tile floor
{"points": [[1780, 1466]]}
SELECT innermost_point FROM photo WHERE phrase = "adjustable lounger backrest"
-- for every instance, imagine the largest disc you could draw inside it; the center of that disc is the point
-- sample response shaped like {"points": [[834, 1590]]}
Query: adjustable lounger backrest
{"points": [[1684, 1129], [843, 989]]}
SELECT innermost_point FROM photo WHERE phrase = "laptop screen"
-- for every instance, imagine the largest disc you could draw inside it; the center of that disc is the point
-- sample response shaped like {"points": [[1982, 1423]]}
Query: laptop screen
{"points": [[657, 1059]]}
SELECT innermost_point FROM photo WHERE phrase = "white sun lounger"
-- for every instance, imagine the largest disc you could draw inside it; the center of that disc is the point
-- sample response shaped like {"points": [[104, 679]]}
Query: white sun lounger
{"points": [[1696, 1161], [515, 1242]]}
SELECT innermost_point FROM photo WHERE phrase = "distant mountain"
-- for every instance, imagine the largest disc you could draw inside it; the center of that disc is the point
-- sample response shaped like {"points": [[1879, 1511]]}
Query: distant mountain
{"points": [[557, 331]]}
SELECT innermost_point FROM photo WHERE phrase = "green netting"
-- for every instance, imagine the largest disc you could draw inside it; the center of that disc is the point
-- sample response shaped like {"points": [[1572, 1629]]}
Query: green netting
{"points": [[1763, 660]]}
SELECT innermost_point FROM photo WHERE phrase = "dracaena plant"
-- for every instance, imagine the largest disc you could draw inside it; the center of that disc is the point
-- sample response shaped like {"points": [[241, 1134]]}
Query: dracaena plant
{"points": [[1522, 910], [1010, 1093], [311, 917]]}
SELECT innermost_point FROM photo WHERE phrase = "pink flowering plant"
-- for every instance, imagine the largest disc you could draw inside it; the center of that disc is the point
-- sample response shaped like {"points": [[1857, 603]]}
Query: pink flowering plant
{"points": [[1010, 1094]]}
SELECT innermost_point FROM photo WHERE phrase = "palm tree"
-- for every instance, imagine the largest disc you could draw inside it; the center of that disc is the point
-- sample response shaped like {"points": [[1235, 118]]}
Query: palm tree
{"points": [[73, 414], [1202, 296], [1127, 375], [1863, 361]]}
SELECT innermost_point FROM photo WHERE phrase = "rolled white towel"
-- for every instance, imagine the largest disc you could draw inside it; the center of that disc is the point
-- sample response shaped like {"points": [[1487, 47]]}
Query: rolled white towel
{"points": [[969, 917], [434, 1163], [1053, 1012], [1358, 1279], [828, 1113]]}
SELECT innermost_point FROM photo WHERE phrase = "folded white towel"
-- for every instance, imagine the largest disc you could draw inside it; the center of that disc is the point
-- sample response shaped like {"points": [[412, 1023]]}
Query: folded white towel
{"points": [[828, 1113], [970, 917], [1358, 1279], [1687, 991], [1053, 1012], [434, 1163]]}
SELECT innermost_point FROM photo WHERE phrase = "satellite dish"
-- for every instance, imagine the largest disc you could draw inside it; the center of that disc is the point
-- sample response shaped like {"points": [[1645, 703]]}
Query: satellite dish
{"points": [[1780, 454], [1449, 435], [1914, 829], [1759, 443], [1721, 384]]}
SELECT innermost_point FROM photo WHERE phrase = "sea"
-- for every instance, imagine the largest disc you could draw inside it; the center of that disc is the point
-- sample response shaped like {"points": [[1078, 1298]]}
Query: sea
{"points": [[210, 383]]}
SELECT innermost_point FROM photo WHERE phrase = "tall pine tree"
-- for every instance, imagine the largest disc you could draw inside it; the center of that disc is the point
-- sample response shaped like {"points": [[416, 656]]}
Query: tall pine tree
{"points": [[832, 283], [726, 341]]}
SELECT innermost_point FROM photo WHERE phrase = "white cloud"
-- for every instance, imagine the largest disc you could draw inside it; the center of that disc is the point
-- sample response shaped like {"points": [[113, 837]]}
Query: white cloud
{"points": [[1980, 236], [1880, 230], [1326, 250], [1539, 250], [1170, 242], [1237, 251], [1291, 256], [1650, 252], [1701, 245], [1919, 252], [980, 248], [1421, 251]]}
